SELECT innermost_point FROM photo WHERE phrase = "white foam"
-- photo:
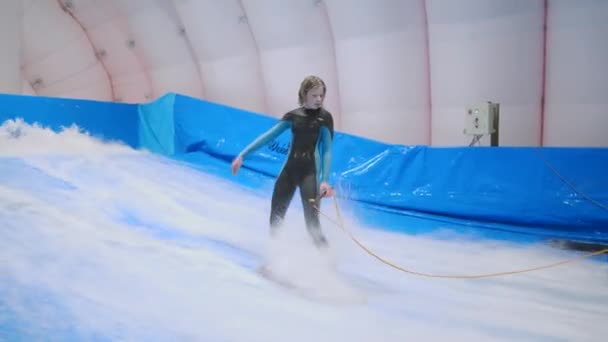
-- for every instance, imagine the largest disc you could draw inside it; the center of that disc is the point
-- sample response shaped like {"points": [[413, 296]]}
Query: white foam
{"points": [[162, 279]]}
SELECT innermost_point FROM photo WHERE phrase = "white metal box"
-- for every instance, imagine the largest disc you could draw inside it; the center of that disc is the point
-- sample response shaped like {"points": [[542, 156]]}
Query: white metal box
{"points": [[479, 119]]}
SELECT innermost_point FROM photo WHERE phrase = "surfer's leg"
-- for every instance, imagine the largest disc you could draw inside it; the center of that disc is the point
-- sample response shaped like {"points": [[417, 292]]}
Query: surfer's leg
{"points": [[309, 192], [284, 189]]}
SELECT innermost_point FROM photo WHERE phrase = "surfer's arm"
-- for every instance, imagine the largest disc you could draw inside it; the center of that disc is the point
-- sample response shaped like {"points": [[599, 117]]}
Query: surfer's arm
{"points": [[266, 137]]}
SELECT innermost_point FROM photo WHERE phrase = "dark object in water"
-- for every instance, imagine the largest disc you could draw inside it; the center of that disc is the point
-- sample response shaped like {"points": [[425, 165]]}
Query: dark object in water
{"points": [[578, 245]]}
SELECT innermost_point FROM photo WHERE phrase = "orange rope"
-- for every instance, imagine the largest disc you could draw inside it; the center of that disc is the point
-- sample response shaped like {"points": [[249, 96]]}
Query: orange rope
{"points": [[340, 224]]}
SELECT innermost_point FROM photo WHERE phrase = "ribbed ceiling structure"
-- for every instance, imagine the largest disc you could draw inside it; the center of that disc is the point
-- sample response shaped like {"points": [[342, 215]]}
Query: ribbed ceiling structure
{"points": [[401, 71]]}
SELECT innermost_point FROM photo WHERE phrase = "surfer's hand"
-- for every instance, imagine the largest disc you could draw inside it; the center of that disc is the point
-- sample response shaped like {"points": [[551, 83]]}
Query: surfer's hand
{"points": [[236, 164], [326, 190]]}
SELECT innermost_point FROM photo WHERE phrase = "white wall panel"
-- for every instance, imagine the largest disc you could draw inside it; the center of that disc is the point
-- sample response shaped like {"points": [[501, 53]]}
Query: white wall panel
{"points": [[382, 68], [26, 88], [226, 52], [108, 31], [131, 87], [61, 63], [486, 50], [156, 35], [577, 74], [400, 71], [294, 41], [11, 24]]}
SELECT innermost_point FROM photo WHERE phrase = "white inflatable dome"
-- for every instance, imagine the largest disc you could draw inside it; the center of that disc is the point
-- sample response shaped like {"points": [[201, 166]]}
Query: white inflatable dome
{"points": [[400, 71]]}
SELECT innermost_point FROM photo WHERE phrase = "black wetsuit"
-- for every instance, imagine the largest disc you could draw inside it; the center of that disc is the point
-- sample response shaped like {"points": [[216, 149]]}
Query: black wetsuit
{"points": [[308, 162]]}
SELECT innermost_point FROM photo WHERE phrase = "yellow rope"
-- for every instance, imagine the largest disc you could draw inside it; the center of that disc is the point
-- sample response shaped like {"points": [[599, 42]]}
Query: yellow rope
{"points": [[569, 184], [342, 226]]}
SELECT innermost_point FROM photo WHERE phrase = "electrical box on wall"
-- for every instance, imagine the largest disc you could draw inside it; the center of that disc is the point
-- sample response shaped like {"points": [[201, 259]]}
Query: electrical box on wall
{"points": [[479, 120]]}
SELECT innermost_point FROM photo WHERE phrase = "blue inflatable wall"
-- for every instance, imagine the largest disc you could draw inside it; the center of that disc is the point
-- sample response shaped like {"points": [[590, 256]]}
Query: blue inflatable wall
{"points": [[538, 192], [104, 120]]}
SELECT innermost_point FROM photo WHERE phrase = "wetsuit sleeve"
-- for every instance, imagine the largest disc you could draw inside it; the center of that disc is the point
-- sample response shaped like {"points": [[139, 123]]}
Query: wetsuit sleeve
{"points": [[266, 137], [327, 142]]}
